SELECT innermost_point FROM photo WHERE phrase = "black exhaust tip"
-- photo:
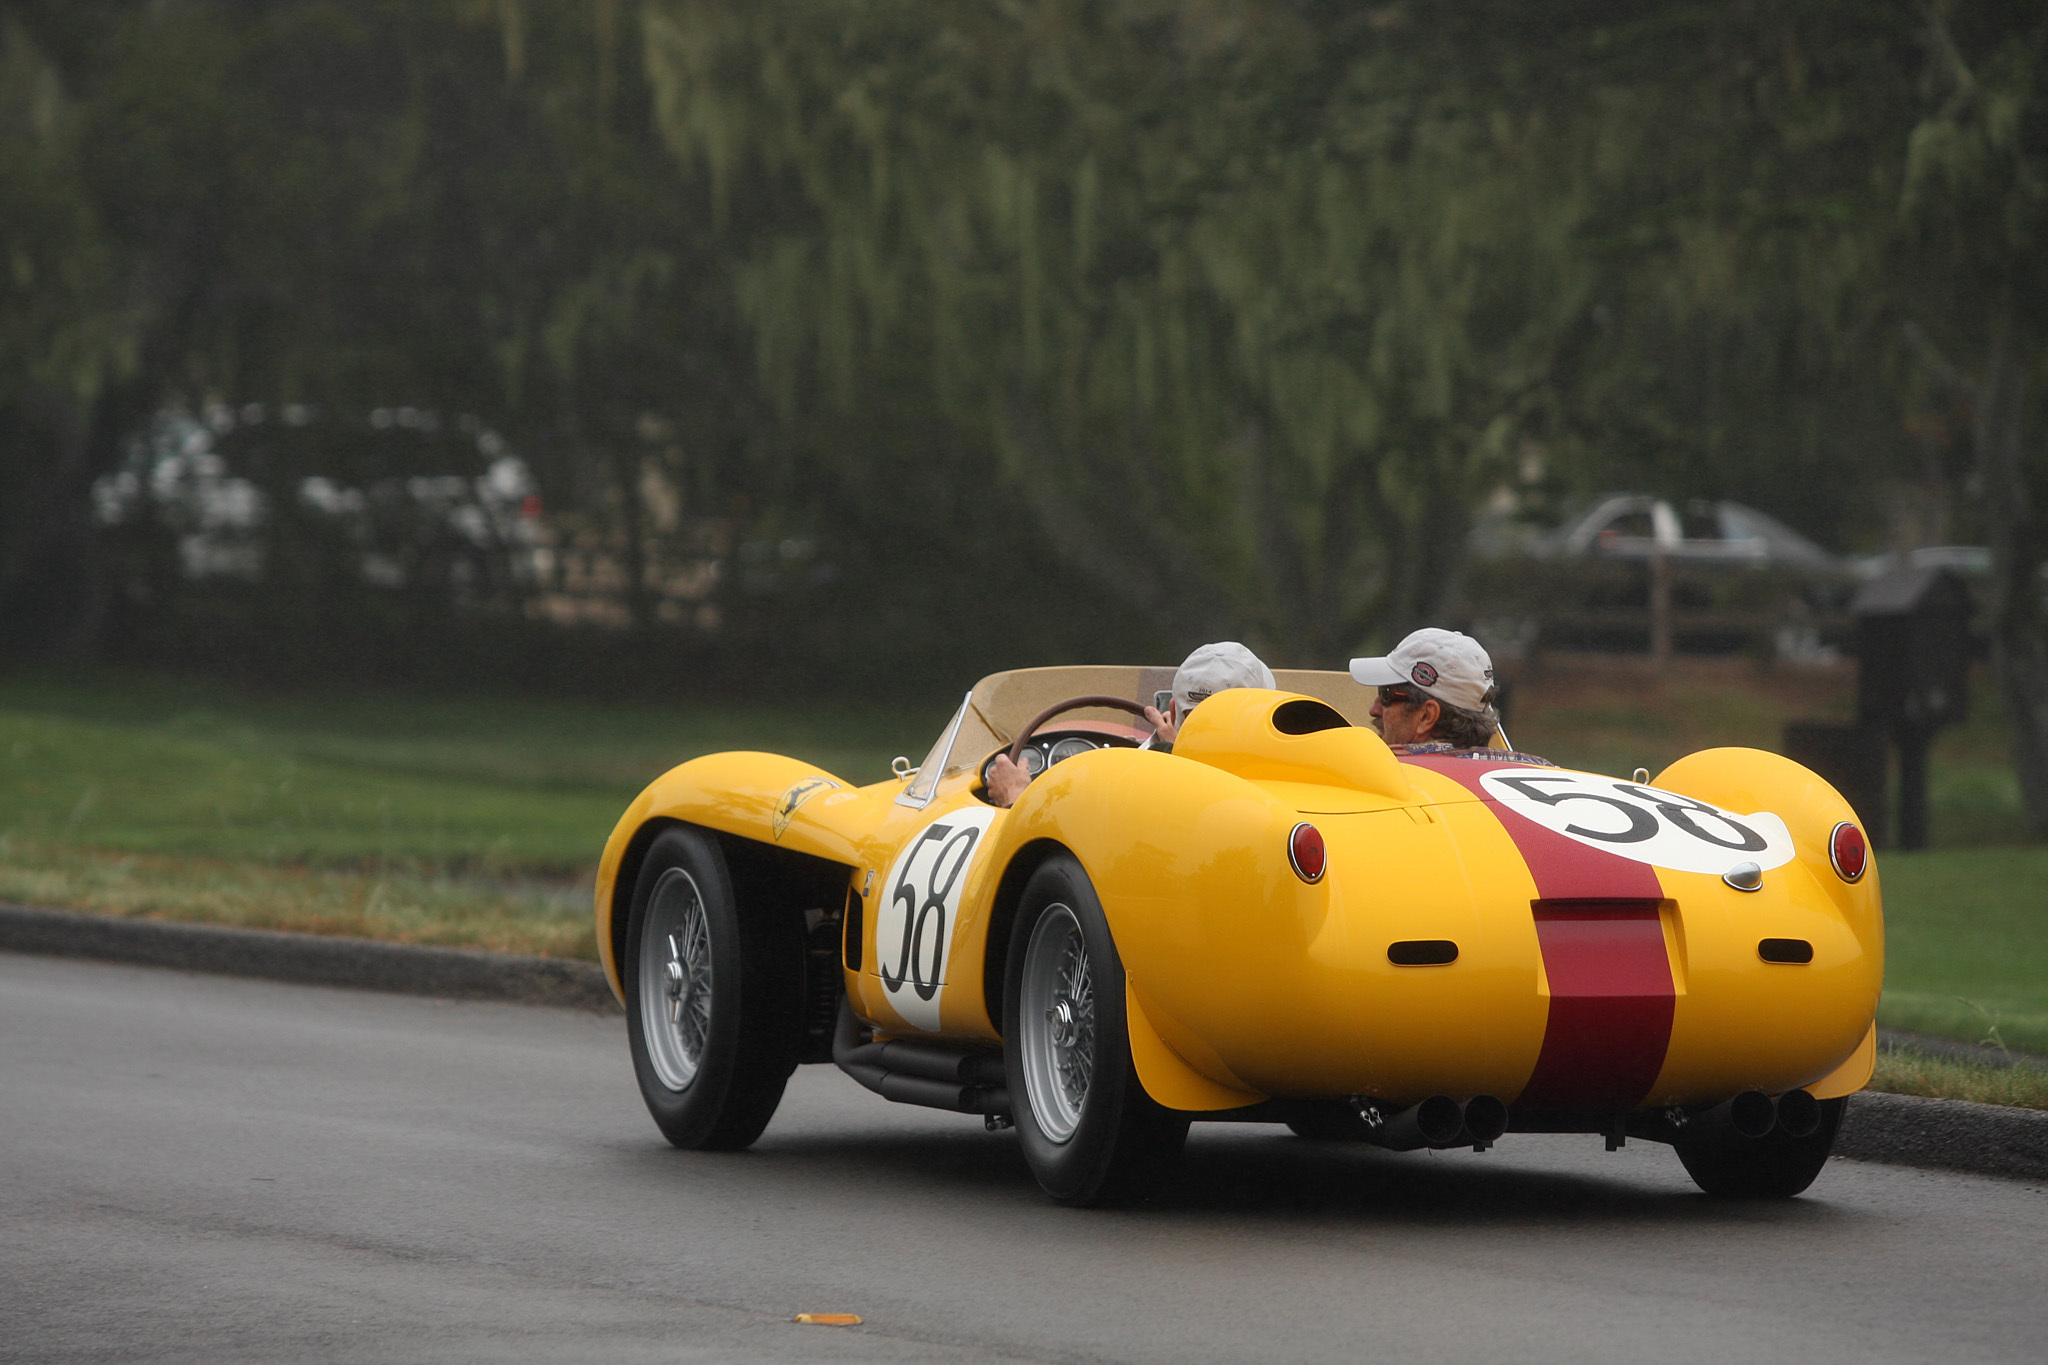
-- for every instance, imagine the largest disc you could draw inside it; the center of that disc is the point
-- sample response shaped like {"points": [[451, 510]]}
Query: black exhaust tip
{"points": [[1752, 1114], [1798, 1114], [1439, 1119], [1486, 1118]]}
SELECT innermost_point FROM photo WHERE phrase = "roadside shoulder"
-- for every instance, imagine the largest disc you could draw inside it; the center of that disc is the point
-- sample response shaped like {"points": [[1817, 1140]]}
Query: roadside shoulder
{"points": [[309, 959], [1905, 1130]]}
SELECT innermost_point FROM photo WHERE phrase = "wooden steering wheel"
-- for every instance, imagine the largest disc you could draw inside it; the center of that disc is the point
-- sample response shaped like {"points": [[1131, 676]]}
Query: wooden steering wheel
{"points": [[1070, 704]]}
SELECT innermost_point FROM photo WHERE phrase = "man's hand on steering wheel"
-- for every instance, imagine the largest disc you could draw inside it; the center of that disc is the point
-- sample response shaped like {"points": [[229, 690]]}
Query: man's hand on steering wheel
{"points": [[1007, 780], [1007, 776]]}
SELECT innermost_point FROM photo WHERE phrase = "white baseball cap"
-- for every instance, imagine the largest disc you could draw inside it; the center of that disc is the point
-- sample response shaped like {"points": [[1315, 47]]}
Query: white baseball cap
{"points": [[1218, 668], [1445, 664]]}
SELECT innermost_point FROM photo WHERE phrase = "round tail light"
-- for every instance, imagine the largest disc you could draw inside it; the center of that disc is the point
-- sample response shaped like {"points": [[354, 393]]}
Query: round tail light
{"points": [[1848, 851], [1305, 850]]}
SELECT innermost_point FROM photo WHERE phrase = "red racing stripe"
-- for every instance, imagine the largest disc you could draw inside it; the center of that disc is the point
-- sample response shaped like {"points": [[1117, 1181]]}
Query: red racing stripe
{"points": [[1611, 1004], [1611, 993]]}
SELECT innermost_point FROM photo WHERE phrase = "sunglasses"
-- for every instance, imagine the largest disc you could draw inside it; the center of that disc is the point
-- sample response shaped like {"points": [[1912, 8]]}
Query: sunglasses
{"points": [[1401, 696]]}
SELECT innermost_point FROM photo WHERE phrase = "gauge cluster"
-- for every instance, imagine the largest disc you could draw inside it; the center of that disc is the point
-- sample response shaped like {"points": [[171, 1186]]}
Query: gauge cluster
{"points": [[1056, 746]]}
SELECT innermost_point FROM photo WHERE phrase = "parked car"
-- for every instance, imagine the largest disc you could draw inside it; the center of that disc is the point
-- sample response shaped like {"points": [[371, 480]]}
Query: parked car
{"points": [[1635, 526], [1733, 580]]}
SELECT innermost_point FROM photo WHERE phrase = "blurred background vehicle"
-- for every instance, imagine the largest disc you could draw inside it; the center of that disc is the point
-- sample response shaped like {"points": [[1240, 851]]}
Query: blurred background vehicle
{"points": [[1635, 573], [1636, 526]]}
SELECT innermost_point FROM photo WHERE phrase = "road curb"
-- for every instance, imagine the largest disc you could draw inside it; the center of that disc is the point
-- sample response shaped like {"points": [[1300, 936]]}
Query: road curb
{"points": [[1946, 1135], [1900, 1130], [310, 959]]}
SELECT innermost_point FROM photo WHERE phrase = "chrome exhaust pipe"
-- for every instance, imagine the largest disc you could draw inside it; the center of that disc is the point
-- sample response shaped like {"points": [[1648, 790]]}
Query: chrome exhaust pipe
{"points": [[1798, 1114], [1438, 1121], [1486, 1118], [920, 1073]]}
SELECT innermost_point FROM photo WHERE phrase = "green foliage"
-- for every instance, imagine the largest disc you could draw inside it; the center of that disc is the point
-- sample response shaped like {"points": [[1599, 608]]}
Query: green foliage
{"points": [[1199, 319], [1747, 158], [1246, 300], [1976, 201], [62, 333]]}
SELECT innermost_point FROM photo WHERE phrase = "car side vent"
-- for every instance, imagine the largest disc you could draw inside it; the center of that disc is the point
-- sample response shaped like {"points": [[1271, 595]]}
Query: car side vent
{"points": [[855, 929], [1304, 716], [1795, 950], [1422, 952]]}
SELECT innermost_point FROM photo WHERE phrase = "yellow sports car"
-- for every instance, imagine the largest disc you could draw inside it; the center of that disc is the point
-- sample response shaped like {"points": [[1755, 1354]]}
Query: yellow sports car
{"points": [[1279, 920]]}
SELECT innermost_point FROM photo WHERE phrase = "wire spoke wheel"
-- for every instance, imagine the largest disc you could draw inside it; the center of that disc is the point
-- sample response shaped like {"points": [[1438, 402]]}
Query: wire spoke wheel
{"points": [[1058, 1022], [714, 995], [1089, 1132], [675, 979]]}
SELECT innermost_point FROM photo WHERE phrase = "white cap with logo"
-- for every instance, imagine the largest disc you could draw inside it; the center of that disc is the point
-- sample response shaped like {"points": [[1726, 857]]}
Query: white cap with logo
{"points": [[1218, 668], [1445, 664]]}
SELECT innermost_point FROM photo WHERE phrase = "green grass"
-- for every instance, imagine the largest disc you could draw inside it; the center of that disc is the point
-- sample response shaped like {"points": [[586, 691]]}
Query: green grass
{"points": [[1613, 714], [1914, 1073], [149, 765], [1966, 944], [471, 821]]}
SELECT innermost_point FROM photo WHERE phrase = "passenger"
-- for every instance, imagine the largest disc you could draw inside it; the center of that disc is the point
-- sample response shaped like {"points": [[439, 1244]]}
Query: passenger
{"points": [[1209, 670], [1437, 695]]}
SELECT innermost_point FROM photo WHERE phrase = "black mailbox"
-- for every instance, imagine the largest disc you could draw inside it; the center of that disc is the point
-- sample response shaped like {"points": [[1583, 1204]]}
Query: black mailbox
{"points": [[1913, 652], [1913, 649]]}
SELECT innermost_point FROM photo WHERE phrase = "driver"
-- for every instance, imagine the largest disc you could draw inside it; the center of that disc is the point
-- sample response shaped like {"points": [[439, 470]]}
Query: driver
{"points": [[1209, 670], [1436, 696]]}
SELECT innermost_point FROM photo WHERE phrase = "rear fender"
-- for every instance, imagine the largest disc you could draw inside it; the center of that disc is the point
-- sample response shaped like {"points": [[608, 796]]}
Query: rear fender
{"points": [[1831, 1000], [1190, 865]]}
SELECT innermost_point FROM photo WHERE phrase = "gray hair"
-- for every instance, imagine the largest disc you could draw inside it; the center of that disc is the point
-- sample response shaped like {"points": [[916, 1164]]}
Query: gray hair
{"points": [[1463, 729]]}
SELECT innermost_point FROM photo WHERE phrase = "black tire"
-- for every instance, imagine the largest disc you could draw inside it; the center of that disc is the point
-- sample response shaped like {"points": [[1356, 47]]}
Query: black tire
{"points": [[712, 1076], [1729, 1166], [1090, 1133]]}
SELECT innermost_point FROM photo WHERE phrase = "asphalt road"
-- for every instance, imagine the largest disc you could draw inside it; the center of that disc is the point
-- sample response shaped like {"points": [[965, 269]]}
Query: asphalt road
{"points": [[216, 1169]]}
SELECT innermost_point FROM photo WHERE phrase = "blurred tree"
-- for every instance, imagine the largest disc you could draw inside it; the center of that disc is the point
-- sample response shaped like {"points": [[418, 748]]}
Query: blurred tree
{"points": [[1744, 160], [1974, 284], [1246, 299], [459, 207], [1211, 318], [456, 206], [67, 335]]}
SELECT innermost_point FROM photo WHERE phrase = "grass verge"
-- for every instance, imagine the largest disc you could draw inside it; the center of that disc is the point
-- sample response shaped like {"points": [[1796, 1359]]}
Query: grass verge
{"points": [[1966, 944], [551, 917], [1905, 1072]]}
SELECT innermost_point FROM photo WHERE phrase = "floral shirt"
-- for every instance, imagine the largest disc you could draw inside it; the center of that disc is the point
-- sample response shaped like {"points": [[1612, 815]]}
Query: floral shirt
{"points": [[1439, 749]]}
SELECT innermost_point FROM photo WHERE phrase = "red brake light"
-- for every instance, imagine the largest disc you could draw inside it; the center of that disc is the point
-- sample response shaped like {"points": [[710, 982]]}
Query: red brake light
{"points": [[1305, 850], [1848, 851]]}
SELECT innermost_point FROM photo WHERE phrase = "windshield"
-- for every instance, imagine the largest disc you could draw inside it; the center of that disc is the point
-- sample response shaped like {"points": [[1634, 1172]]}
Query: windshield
{"points": [[926, 782]]}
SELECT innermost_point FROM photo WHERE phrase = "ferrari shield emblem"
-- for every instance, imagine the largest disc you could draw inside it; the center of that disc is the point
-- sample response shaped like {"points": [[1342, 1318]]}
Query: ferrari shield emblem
{"points": [[796, 796]]}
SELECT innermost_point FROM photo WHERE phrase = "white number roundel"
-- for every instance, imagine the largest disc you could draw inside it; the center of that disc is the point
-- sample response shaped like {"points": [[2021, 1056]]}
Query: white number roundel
{"points": [[920, 904], [1642, 823]]}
